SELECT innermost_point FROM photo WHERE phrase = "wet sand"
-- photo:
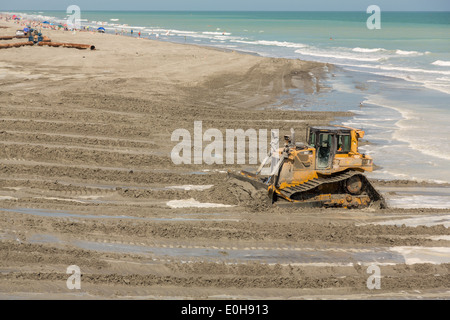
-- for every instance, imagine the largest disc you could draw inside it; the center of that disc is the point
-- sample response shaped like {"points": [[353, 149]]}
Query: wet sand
{"points": [[86, 179]]}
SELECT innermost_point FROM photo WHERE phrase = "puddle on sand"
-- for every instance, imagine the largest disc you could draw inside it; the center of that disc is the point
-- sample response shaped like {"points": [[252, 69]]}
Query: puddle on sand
{"points": [[43, 238], [417, 197], [424, 254], [270, 256], [62, 214], [197, 172], [427, 220], [380, 256], [294, 256]]}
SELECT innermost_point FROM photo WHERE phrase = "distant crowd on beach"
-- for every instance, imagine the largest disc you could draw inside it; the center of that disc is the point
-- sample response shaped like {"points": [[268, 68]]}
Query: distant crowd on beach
{"points": [[36, 24]]}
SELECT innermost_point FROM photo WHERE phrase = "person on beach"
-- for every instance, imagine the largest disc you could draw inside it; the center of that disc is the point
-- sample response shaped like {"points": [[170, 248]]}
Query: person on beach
{"points": [[139, 34]]}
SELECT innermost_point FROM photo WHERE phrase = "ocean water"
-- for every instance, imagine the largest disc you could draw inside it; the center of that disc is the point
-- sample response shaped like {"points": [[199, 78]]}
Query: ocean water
{"points": [[396, 79]]}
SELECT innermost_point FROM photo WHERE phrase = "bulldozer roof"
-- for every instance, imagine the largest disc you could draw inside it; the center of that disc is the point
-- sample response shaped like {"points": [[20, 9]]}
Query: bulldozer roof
{"points": [[331, 128], [339, 130]]}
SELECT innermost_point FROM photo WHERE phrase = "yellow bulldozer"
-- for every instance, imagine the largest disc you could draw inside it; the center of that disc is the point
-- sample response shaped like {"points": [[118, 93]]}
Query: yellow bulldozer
{"points": [[328, 171]]}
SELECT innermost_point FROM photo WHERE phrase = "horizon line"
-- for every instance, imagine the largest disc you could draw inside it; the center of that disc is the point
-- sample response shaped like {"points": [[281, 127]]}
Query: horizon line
{"points": [[149, 10]]}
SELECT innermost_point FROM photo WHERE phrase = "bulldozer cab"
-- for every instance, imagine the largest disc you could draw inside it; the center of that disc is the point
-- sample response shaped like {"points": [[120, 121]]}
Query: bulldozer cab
{"points": [[329, 141]]}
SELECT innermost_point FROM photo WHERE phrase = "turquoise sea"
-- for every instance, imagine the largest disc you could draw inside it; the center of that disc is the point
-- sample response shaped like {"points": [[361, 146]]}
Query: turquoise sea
{"points": [[396, 79]]}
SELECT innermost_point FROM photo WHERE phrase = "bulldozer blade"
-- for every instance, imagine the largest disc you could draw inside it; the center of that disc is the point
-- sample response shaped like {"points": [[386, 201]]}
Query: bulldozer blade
{"points": [[247, 177]]}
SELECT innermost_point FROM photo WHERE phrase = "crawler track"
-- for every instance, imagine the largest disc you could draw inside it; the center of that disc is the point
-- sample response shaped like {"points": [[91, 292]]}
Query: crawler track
{"points": [[323, 180]]}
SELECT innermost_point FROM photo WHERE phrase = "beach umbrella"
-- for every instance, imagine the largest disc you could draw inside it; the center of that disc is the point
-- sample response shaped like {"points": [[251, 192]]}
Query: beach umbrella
{"points": [[14, 16], [26, 29], [60, 26], [101, 29], [46, 22]]}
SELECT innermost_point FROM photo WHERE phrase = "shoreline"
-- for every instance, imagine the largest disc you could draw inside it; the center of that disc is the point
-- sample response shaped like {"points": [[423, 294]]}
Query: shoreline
{"points": [[336, 114], [279, 99]]}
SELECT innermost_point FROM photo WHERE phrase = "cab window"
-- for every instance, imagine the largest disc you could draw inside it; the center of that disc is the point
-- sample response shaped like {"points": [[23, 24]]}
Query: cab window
{"points": [[325, 140], [343, 145], [312, 140]]}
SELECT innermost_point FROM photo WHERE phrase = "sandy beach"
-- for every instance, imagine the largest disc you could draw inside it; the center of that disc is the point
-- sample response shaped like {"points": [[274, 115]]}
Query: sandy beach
{"points": [[86, 179]]}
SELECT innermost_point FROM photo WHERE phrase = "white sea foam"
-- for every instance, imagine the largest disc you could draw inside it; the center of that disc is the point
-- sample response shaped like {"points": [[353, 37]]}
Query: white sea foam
{"points": [[365, 50], [273, 43], [155, 29], [336, 55], [405, 53], [281, 44], [413, 128], [442, 63], [183, 32], [396, 68], [432, 79], [445, 88], [217, 33], [359, 54]]}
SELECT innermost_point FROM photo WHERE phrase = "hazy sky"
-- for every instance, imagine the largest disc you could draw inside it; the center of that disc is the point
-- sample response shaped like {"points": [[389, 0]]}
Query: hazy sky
{"points": [[235, 5]]}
